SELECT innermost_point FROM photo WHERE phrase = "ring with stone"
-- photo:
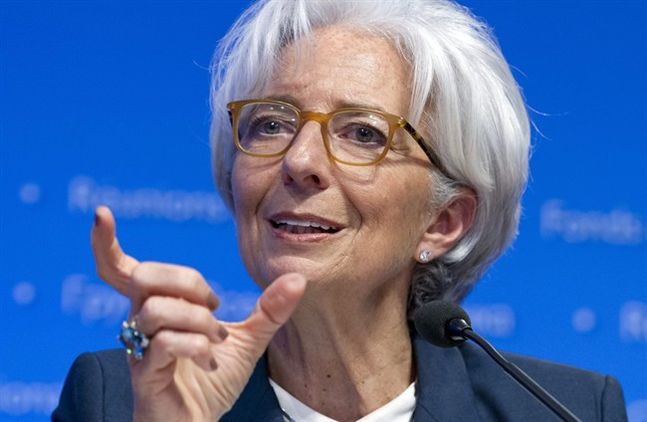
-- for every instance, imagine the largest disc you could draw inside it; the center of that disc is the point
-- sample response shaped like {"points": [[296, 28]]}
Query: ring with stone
{"points": [[134, 340]]}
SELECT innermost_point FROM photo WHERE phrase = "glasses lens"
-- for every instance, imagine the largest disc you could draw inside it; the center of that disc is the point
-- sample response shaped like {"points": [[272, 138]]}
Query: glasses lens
{"points": [[358, 137], [266, 128]]}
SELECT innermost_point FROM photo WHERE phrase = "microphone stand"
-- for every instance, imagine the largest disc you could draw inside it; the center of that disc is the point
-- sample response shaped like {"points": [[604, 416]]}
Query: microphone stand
{"points": [[458, 330]]}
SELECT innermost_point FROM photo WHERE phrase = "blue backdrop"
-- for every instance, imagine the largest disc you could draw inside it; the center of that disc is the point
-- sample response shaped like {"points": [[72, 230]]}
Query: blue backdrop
{"points": [[108, 103]]}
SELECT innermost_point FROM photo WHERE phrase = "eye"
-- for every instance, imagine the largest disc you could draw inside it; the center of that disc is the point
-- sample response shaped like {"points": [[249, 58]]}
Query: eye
{"points": [[363, 134], [270, 126]]}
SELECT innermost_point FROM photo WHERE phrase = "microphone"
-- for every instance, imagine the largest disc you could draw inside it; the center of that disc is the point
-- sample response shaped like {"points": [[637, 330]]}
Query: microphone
{"points": [[446, 324]]}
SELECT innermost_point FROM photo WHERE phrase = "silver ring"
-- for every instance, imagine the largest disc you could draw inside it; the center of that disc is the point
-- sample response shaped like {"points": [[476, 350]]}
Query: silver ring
{"points": [[134, 340]]}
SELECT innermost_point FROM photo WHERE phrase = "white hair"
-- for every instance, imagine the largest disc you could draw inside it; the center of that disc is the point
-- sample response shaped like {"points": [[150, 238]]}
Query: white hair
{"points": [[464, 99]]}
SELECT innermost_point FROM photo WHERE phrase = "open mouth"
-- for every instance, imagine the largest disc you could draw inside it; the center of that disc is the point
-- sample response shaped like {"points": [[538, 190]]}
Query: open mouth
{"points": [[302, 227]]}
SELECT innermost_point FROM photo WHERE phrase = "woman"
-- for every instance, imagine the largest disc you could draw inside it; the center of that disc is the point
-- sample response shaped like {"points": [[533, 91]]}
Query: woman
{"points": [[349, 216]]}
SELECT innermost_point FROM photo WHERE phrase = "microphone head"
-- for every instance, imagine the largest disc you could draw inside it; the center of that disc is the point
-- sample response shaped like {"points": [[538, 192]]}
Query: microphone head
{"points": [[431, 321]]}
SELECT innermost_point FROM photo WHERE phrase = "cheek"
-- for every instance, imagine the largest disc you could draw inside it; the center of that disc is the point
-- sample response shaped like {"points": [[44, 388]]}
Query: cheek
{"points": [[392, 194], [238, 186], [374, 210], [395, 206], [248, 187], [247, 193]]}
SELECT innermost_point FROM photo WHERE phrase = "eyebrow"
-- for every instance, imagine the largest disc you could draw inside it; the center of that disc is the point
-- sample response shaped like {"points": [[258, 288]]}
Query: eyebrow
{"points": [[341, 104], [350, 104], [284, 98]]}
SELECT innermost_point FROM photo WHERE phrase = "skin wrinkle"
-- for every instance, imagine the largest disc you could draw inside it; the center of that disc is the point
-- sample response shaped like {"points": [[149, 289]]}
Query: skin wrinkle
{"points": [[352, 322], [453, 57]]}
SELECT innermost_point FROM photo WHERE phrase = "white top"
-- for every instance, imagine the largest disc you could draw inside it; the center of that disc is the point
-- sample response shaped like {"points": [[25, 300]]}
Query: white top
{"points": [[400, 409]]}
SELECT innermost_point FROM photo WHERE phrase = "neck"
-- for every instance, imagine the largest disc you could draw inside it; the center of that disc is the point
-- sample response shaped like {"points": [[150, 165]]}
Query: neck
{"points": [[344, 364]]}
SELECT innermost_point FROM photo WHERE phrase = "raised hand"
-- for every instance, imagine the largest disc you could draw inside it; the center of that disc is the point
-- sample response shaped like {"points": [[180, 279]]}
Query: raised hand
{"points": [[195, 366]]}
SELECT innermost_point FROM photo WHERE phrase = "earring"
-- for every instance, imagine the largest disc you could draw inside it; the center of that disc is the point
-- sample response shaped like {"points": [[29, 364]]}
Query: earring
{"points": [[425, 256]]}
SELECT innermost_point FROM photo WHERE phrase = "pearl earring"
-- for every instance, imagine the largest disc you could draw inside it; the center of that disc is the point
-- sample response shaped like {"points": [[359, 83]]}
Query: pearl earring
{"points": [[425, 256]]}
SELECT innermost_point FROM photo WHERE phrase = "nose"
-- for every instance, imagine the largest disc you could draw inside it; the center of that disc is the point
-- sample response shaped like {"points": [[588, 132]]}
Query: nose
{"points": [[306, 164]]}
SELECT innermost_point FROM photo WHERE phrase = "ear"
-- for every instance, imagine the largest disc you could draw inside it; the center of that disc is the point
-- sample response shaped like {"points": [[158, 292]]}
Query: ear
{"points": [[450, 223]]}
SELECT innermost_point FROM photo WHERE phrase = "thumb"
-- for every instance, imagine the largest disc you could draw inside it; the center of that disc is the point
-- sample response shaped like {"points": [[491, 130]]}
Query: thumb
{"points": [[113, 265], [274, 308]]}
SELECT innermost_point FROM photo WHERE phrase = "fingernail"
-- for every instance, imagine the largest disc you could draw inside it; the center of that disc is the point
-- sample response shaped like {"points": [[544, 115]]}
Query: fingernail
{"points": [[213, 364], [212, 301], [222, 332]]}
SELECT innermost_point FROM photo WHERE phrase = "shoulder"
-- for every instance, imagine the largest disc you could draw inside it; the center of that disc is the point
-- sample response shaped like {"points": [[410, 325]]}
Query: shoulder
{"points": [[97, 388], [589, 395]]}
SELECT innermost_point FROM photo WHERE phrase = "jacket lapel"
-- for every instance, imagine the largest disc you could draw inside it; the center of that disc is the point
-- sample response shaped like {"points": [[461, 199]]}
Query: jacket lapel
{"points": [[443, 388], [257, 402]]}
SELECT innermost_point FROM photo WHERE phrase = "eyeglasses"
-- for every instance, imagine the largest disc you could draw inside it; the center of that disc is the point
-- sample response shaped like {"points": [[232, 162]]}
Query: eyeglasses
{"points": [[353, 136]]}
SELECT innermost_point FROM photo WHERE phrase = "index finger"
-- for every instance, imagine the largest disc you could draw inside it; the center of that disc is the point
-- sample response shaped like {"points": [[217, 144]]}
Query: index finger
{"points": [[113, 265], [159, 279]]}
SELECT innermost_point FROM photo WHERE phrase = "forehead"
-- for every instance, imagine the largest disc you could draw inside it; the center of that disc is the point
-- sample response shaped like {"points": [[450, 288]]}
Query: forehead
{"points": [[337, 66]]}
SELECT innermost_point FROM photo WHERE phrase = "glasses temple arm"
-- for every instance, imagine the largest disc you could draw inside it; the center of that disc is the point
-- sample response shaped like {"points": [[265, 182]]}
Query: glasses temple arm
{"points": [[433, 157]]}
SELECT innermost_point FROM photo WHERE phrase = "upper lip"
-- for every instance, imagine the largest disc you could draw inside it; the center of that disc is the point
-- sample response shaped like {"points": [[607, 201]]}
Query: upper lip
{"points": [[305, 219]]}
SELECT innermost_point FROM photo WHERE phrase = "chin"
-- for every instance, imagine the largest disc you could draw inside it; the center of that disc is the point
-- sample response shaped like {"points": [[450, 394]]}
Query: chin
{"points": [[275, 267]]}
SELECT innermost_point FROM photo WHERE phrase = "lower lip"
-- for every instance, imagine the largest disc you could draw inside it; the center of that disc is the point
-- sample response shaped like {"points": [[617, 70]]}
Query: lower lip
{"points": [[303, 237]]}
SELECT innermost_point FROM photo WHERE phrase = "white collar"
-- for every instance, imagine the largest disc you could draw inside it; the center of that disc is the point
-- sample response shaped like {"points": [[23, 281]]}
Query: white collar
{"points": [[400, 409]]}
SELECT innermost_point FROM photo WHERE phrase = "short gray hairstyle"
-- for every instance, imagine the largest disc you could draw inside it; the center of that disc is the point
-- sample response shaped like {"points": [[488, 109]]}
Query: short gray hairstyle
{"points": [[464, 99]]}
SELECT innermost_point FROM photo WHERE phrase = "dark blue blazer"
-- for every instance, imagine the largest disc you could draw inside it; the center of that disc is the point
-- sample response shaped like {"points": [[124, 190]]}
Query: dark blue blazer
{"points": [[459, 384]]}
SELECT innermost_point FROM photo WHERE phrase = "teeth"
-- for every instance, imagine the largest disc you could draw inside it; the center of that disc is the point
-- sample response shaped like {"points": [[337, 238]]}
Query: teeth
{"points": [[304, 224]]}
